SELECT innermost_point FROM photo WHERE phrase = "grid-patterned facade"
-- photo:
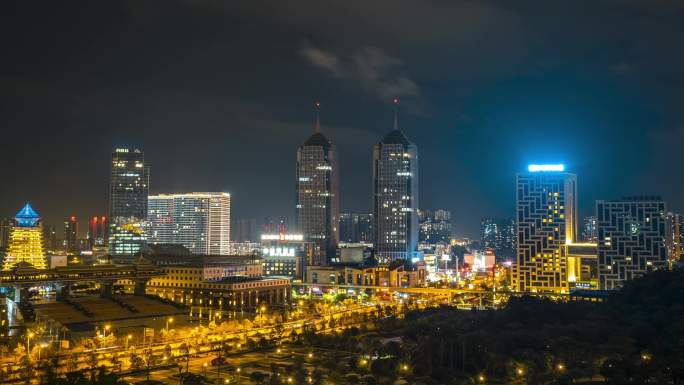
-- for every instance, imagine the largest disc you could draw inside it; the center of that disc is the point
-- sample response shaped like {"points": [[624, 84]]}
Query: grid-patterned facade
{"points": [[198, 221], [631, 239], [395, 206], [317, 195], [546, 221], [128, 191]]}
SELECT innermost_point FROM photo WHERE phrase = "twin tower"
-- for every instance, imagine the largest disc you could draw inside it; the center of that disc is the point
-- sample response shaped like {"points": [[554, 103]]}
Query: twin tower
{"points": [[395, 195]]}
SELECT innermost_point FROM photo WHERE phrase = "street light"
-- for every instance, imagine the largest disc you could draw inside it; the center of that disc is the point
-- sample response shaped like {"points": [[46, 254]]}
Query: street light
{"points": [[481, 378], [128, 338], [205, 369], [168, 321]]}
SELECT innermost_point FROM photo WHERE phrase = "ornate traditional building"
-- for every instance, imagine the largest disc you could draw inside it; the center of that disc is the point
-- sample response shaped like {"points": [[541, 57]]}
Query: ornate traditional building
{"points": [[26, 241]]}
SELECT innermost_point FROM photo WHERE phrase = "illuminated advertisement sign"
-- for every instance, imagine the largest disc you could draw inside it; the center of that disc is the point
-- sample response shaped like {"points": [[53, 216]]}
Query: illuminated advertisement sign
{"points": [[546, 167], [282, 237], [279, 251]]}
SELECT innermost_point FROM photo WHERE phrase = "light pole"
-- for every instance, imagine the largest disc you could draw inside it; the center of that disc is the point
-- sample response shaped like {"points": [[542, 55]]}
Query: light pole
{"points": [[28, 343], [128, 338], [40, 348], [168, 321]]}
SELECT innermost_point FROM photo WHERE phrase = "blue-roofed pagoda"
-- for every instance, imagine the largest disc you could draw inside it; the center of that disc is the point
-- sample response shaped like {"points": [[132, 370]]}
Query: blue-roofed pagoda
{"points": [[26, 241]]}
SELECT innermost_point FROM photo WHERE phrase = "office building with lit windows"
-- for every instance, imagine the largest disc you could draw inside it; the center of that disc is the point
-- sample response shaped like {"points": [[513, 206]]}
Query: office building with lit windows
{"points": [[631, 239], [128, 190], [395, 197], [25, 241], [200, 221], [317, 194], [546, 208]]}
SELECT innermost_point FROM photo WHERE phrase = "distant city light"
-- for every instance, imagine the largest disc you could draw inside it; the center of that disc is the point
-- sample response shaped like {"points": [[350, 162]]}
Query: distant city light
{"points": [[545, 167]]}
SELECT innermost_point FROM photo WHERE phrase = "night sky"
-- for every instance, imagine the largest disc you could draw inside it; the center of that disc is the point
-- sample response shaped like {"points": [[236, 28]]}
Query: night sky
{"points": [[219, 95]]}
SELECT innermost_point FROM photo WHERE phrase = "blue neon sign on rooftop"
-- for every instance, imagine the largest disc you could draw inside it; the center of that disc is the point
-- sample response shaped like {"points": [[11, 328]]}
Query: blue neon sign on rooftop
{"points": [[546, 167]]}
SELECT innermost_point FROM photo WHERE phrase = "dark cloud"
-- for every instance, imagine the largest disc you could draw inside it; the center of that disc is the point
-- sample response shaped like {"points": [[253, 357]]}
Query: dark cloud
{"points": [[370, 68]]}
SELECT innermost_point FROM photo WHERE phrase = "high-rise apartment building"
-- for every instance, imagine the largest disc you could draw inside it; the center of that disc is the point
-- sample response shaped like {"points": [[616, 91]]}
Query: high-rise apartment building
{"points": [[675, 237], [434, 226], [547, 220], [6, 225], [356, 228], [499, 235], [317, 193], [26, 241], [97, 231], [128, 190], [395, 196], [589, 233], [50, 238], [631, 239], [199, 221], [71, 235]]}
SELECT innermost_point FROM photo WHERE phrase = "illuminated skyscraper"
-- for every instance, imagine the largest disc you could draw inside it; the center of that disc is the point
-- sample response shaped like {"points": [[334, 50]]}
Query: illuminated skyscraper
{"points": [[26, 241], [631, 239], [317, 194], [71, 234], [547, 220], [395, 196], [199, 221], [128, 190]]}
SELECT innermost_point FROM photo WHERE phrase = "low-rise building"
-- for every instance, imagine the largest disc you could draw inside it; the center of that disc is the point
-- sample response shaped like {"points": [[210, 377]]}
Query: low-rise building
{"points": [[394, 274]]}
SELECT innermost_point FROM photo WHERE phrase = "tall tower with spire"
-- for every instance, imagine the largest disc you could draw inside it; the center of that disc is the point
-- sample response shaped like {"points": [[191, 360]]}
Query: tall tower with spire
{"points": [[26, 241], [317, 193], [395, 195]]}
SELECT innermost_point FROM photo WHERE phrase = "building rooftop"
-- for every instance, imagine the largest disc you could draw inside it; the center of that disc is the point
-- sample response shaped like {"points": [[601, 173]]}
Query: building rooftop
{"points": [[395, 137], [318, 139], [27, 216], [195, 260]]}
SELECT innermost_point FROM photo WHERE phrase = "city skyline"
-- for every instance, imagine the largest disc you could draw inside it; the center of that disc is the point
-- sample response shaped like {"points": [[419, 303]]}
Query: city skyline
{"points": [[478, 120]]}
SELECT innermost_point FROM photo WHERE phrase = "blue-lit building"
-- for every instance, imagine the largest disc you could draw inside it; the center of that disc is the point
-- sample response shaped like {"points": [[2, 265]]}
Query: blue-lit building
{"points": [[546, 207]]}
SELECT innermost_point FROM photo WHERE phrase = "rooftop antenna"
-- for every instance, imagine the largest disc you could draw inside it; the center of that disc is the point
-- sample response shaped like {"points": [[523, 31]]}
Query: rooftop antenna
{"points": [[317, 124], [396, 113]]}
